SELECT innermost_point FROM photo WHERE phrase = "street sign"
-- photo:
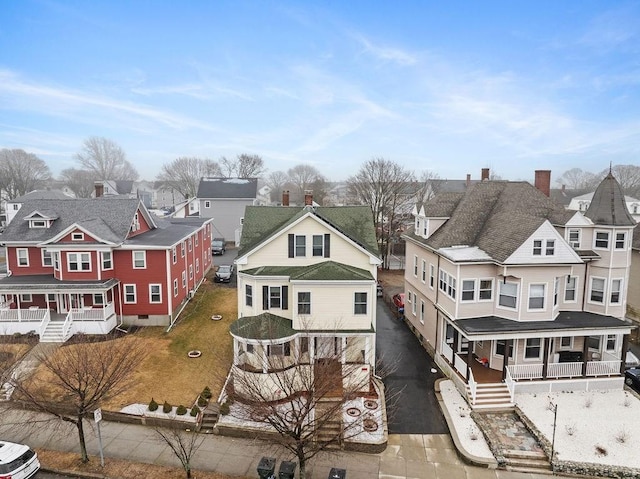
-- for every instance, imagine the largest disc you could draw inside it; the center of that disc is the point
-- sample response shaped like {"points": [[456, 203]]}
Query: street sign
{"points": [[97, 415]]}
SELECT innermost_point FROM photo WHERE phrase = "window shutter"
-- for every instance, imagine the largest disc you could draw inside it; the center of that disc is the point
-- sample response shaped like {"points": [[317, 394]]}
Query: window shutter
{"points": [[291, 245], [327, 243], [285, 297], [265, 297]]}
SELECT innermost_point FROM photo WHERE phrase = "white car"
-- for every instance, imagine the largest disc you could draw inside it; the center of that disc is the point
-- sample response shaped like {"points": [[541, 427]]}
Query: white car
{"points": [[17, 461]]}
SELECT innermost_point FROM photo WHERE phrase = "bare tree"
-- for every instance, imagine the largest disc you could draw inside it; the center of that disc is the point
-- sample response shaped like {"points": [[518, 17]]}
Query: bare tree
{"points": [[306, 177], [576, 179], [74, 380], [244, 166], [184, 174], [21, 172], [426, 188], [306, 408], [184, 443], [276, 180], [106, 159], [628, 176], [80, 181], [387, 188]]}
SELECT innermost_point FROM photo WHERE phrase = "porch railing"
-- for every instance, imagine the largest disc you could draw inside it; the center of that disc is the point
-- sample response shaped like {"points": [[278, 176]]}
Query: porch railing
{"points": [[92, 314], [564, 370], [66, 327], [19, 315], [473, 386], [603, 368], [511, 385]]}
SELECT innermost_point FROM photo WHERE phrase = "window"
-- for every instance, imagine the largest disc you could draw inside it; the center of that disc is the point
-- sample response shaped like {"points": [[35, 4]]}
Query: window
{"points": [[556, 286], [139, 259], [37, 224], [207, 204], [570, 288], [468, 289], [537, 247], [414, 306], [15, 207], [196, 238], [602, 239], [620, 240], [485, 291], [129, 293], [432, 275], [501, 348], [23, 256], [56, 261], [182, 249], [190, 271], [593, 342], [175, 287], [447, 284], [135, 226], [77, 236], [107, 262], [248, 295], [421, 311], [26, 297], [597, 290], [424, 271], [184, 279], [79, 261], [275, 297], [551, 247], [155, 293], [301, 246], [536, 296], [611, 342], [304, 303], [574, 238], [46, 258], [566, 342], [417, 226], [532, 349], [415, 266], [190, 243], [197, 265], [174, 255], [98, 299], [508, 295], [318, 245], [360, 303], [615, 291], [409, 296], [425, 228]]}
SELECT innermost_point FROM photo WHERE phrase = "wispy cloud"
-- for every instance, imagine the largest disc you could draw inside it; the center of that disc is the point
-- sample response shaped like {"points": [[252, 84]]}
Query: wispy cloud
{"points": [[387, 54], [616, 28]]}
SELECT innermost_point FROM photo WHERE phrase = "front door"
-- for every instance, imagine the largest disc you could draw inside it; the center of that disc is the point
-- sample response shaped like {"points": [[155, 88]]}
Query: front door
{"points": [[66, 302]]}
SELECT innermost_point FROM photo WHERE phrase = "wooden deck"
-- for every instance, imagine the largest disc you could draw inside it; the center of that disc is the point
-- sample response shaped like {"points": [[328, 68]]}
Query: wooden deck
{"points": [[483, 374]]}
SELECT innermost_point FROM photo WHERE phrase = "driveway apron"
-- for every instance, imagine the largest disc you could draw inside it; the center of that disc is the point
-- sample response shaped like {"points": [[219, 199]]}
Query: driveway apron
{"points": [[406, 368]]}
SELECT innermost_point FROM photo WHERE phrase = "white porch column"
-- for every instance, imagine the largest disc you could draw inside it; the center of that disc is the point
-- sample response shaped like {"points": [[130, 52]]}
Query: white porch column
{"points": [[236, 355], [367, 349], [265, 358], [312, 349], [343, 353]]}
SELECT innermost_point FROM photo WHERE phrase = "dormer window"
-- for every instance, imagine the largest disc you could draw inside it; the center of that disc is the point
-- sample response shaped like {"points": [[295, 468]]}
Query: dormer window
{"points": [[574, 238], [77, 236], [38, 224], [548, 250], [135, 226]]}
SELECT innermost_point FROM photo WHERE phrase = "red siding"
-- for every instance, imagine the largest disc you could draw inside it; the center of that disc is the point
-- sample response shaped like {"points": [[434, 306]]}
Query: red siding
{"points": [[144, 226], [154, 273], [68, 238], [79, 275], [35, 262]]}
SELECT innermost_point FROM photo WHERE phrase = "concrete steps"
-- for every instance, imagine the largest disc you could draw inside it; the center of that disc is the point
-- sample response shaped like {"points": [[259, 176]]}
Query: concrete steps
{"points": [[490, 396], [210, 416], [527, 461]]}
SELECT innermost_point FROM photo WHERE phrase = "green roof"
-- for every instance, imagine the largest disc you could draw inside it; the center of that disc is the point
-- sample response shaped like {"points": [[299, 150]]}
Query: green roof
{"points": [[265, 326], [262, 222], [324, 271]]}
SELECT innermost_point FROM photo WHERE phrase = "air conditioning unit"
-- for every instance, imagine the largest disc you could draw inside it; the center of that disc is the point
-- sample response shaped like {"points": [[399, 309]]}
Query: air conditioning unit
{"points": [[192, 293]]}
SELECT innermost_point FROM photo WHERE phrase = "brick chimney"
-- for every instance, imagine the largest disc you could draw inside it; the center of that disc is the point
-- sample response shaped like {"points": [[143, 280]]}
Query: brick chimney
{"points": [[485, 174], [468, 180], [543, 181], [99, 189], [308, 198], [285, 198]]}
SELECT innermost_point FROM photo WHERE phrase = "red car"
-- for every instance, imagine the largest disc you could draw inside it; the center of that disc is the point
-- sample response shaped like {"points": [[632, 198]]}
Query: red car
{"points": [[398, 300]]}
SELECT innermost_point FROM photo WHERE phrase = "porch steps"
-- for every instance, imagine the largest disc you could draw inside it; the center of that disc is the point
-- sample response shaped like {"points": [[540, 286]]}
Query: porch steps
{"points": [[53, 333], [330, 431], [526, 461], [210, 416], [490, 396]]}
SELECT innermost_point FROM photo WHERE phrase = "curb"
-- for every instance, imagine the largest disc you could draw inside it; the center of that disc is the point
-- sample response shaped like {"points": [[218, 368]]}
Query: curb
{"points": [[466, 456], [84, 475]]}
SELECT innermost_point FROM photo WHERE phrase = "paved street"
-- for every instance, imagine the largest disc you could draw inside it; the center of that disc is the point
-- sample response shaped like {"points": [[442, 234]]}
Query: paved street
{"points": [[412, 405]]}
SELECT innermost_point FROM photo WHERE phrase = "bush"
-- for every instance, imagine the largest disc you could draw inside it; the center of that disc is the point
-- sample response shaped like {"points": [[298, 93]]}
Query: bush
{"points": [[181, 410], [206, 393], [195, 410], [224, 408], [153, 406], [166, 407], [202, 401]]}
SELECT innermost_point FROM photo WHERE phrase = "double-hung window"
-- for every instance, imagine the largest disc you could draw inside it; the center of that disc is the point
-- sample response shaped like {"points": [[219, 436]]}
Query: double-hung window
{"points": [[182, 249], [424, 271], [570, 288], [421, 311], [360, 303], [556, 287], [46, 258], [551, 248], [175, 287], [574, 238], [532, 348], [275, 297], [318, 245], [155, 293], [501, 348], [537, 247], [415, 266], [508, 295], [597, 290], [536, 296], [129, 293], [79, 261], [184, 279], [301, 245], [174, 255], [432, 275], [614, 295], [107, 262], [304, 302], [602, 239], [468, 289], [248, 295], [620, 240], [139, 259], [23, 256], [485, 291]]}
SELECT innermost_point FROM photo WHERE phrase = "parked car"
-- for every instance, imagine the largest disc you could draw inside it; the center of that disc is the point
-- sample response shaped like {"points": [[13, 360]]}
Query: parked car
{"points": [[218, 246], [632, 378], [17, 461], [224, 273], [398, 300], [379, 289], [631, 360]]}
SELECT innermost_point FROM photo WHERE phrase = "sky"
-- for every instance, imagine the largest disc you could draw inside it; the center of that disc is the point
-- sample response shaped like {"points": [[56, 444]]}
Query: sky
{"points": [[445, 87]]}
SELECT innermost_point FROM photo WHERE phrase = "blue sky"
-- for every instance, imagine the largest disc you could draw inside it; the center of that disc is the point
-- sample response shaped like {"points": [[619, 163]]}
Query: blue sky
{"points": [[449, 87]]}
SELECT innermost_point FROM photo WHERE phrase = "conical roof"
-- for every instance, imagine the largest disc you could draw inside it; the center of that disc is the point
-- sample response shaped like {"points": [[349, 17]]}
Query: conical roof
{"points": [[608, 206]]}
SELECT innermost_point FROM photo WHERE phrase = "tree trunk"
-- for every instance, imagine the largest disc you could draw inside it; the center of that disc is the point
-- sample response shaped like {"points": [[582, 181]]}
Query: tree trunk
{"points": [[188, 469], [83, 446], [301, 460]]}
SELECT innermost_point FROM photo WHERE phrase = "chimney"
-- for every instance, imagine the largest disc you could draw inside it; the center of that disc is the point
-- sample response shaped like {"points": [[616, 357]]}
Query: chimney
{"points": [[468, 180], [308, 197], [99, 189], [543, 181], [563, 189], [485, 174], [285, 198]]}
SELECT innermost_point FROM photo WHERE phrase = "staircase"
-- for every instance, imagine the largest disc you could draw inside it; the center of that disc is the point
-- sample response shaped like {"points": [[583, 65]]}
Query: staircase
{"points": [[53, 333], [526, 461], [330, 431], [490, 396], [209, 417]]}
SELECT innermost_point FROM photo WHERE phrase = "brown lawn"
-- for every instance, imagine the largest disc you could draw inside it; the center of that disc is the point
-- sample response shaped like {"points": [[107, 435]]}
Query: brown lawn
{"points": [[10, 354]]}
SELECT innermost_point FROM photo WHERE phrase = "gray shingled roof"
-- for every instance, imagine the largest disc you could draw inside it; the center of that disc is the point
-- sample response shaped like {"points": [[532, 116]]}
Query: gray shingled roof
{"points": [[262, 222], [326, 270], [608, 205], [495, 216], [47, 282], [107, 218], [228, 188], [41, 195]]}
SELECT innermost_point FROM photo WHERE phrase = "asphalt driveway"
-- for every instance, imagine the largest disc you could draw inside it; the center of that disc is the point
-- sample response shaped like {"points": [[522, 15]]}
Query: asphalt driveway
{"points": [[406, 367]]}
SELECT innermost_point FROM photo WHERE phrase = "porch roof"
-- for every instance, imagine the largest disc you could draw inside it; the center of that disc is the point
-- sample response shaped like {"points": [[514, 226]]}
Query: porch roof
{"points": [[47, 283], [265, 326], [582, 322]]}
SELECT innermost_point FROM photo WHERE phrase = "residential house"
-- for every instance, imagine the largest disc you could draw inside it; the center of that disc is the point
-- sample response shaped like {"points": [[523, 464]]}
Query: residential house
{"points": [[306, 290], [582, 202], [12, 207], [89, 265], [225, 200], [186, 208], [503, 284]]}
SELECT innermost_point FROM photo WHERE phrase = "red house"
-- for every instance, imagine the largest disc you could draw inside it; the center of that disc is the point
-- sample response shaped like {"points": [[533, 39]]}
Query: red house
{"points": [[90, 265]]}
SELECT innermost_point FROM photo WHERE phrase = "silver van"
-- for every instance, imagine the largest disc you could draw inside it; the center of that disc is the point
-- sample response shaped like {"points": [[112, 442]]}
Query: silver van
{"points": [[17, 461]]}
